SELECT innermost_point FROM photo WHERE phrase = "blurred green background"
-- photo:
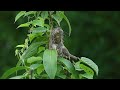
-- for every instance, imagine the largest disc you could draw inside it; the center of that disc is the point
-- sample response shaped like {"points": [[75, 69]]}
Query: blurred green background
{"points": [[95, 35]]}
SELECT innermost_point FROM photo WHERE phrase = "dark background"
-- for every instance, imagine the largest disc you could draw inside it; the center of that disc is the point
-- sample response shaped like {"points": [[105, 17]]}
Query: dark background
{"points": [[95, 35]]}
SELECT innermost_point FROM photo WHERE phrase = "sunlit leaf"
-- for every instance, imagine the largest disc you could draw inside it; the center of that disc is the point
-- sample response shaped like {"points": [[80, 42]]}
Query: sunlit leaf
{"points": [[22, 45], [90, 63], [40, 49], [47, 26], [77, 66], [16, 52], [38, 22], [24, 25], [50, 62], [32, 36], [18, 77], [87, 69], [40, 69], [33, 59], [20, 14]]}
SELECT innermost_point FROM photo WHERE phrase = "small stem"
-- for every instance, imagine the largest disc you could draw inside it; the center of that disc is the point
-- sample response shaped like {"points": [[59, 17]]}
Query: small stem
{"points": [[51, 28], [51, 22]]}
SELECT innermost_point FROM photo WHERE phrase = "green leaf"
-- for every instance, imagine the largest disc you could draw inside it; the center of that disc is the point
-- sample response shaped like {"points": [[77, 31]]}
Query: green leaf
{"points": [[67, 22], [34, 66], [70, 66], [22, 45], [18, 77], [56, 18], [87, 69], [77, 66], [50, 62], [39, 30], [47, 26], [40, 49], [87, 75], [61, 76], [39, 22], [33, 59], [90, 63], [11, 71], [16, 52], [24, 25], [59, 69], [59, 14], [32, 36], [32, 49], [44, 76], [20, 14], [40, 69], [44, 14], [30, 12]]}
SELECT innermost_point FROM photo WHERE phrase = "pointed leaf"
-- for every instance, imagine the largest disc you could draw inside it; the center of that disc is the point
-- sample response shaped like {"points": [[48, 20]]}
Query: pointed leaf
{"points": [[87, 75], [58, 13], [62, 76], [70, 66], [90, 63], [77, 66], [11, 71], [34, 66], [33, 59], [66, 19], [24, 25], [50, 62], [22, 45], [87, 69], [18, 77], [40, 69], [44, 14], [32, 36], [38, 30], [20, 14], [32, 49], [30, 12], [16, 52], [39, 22], [40, 49], [56, 18]]}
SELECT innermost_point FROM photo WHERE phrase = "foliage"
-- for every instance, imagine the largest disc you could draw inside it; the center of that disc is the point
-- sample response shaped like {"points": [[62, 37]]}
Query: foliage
{"points": [[37, 60]]}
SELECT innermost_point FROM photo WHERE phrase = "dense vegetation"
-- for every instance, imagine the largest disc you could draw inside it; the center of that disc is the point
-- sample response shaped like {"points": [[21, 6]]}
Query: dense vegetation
{"points": [[95, 35]]}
